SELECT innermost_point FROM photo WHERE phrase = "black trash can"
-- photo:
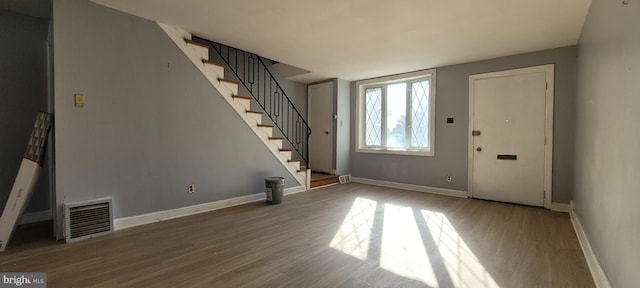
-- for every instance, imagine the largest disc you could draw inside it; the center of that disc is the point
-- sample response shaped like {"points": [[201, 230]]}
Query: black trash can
{"points": [[274, 187]]}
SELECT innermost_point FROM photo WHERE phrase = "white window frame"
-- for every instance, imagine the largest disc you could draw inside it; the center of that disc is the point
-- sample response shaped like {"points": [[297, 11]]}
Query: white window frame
{"points": [[360, 112]]}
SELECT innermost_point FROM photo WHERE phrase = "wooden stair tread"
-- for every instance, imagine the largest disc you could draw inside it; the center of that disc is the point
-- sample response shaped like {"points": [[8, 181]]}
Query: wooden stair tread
{"points": [[189, 41], [254, 112], [322, 175], [276, 138], [228, 81], [293, 160], [285, 149], [205, 61], [241, 97], [318, 180], [265, 125]]}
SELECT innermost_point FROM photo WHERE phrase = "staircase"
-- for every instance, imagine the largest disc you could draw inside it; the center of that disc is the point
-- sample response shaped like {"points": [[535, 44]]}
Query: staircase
{"points": [[198, 53]]}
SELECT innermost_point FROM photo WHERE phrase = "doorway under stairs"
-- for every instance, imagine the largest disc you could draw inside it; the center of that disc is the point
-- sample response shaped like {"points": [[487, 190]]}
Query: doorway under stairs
{"points": [[319, 179]]}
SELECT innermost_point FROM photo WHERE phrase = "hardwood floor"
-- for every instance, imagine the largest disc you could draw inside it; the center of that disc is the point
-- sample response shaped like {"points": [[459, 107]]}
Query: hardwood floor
{"points": [[350, 235]]}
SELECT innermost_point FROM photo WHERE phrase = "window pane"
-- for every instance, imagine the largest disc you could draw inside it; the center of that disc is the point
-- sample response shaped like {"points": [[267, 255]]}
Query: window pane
{"points": [[396, 115], [420, 114], [373, 115]]}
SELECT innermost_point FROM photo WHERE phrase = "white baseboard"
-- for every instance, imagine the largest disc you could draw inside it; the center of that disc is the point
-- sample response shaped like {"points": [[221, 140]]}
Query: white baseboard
{"points": [[132, 221], [35, 217], [560, 207], [324, 186], [599, 277], [432, 190], [293, 190]]}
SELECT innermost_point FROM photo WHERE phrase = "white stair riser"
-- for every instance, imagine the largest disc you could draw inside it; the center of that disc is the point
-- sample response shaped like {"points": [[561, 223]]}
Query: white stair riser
{"points": [[274, 147], [233, 87], [242, 111], [255, 117], [246, 103], [287, 154], [284, 158], [213, 72], [253, 123], [295, 165], [265, 132], [276, 143], [199, 52]]}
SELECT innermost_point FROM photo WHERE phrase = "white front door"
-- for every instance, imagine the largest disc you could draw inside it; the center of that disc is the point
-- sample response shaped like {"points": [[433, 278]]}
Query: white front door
{"points": [[510, 121], [320, 114]]}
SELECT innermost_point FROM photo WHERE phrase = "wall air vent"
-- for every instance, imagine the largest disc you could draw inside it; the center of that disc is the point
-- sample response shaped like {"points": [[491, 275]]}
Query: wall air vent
{"points": [[88, 219]]}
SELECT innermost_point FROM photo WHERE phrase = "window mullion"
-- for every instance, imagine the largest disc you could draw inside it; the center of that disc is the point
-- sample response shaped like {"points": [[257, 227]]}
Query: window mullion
{"points": [[408, 116], [365, 112], [383, 126]]}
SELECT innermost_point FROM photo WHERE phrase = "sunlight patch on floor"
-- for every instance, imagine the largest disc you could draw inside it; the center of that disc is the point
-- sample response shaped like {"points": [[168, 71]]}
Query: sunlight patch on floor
{"points": [[353, 236], [412, 242], [403, 252], [463, 266]]}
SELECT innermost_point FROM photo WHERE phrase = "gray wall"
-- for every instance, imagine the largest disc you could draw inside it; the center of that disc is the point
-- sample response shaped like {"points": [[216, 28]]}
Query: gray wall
{"points": [[343, 127], [23, 92], [452, 100], [152, 123], [607, 166]]}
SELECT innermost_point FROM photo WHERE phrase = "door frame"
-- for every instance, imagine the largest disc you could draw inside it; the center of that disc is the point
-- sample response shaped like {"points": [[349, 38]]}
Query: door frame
{"points": [[548, 129], [331, 83]]}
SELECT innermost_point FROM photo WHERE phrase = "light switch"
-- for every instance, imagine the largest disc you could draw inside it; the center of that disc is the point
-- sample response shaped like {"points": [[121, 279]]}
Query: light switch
{"points": [[79, 100]]}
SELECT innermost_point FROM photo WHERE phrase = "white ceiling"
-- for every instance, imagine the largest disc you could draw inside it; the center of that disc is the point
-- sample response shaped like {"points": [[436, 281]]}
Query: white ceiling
{"points": [[359, 39]]}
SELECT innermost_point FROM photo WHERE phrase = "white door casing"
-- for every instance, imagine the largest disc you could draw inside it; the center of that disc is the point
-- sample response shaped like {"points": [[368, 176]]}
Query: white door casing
{"points": [[320, 117], [510, 160]]}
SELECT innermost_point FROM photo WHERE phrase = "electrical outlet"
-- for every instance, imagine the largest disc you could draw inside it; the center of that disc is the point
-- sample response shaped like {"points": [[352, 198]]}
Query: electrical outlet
{"points": [[191, 188], [449, 178]]}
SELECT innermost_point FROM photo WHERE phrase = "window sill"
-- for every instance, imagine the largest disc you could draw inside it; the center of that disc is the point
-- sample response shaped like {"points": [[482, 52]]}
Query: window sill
{"points": [[395, 152]]}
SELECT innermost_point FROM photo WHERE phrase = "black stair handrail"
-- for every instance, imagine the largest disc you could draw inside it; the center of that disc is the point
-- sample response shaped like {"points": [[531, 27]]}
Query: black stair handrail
{"points": [[255, 76]]}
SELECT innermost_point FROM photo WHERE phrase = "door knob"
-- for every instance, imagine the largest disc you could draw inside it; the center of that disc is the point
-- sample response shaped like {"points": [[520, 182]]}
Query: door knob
{"points": [[326, 132], [479, 149]]}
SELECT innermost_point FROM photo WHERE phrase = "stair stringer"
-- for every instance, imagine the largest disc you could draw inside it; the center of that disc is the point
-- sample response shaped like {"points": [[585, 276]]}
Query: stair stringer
{"points": [[214, 73]]}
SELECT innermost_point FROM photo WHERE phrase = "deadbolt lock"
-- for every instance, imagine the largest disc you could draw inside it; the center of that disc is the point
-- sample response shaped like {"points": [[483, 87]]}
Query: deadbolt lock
{"points": [[479, 149], [475, 133]]}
